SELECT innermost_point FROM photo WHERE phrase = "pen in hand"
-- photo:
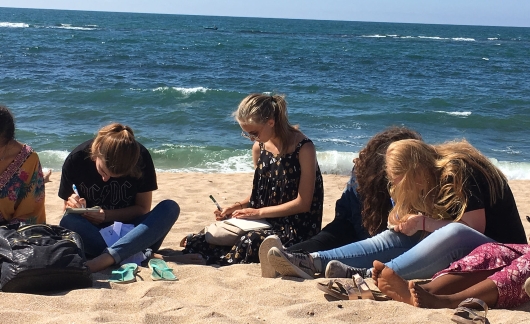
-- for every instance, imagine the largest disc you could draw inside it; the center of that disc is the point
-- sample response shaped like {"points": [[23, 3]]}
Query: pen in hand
{"points": [[77, 193], [216, 204]]}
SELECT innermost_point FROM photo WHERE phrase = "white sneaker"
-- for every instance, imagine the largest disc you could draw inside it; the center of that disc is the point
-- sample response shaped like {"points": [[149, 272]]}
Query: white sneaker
{"points": [[267, 271]]}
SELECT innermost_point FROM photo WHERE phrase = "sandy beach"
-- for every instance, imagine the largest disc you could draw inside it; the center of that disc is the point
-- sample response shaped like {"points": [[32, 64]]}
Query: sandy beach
{"points": [[209, 294]]}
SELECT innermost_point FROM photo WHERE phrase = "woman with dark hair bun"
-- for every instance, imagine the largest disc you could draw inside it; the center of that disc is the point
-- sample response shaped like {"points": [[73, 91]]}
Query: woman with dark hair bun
{"points": [[21, 181]]}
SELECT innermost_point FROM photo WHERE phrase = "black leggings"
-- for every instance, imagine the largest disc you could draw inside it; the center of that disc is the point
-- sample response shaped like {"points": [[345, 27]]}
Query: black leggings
{"points": [[336, 234]]}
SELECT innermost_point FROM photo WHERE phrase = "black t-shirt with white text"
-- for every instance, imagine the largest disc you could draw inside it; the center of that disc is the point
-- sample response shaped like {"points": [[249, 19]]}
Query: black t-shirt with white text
{"points": [[116, 193]]}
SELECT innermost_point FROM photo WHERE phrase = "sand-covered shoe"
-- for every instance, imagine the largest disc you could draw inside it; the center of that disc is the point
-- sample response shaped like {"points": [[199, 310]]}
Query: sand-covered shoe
{"points": [[292, 264], [337, 269], [267, 271]]}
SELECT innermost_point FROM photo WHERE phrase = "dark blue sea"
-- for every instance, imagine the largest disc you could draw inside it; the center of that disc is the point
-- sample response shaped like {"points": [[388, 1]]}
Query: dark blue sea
{"points": [[176, 80]]}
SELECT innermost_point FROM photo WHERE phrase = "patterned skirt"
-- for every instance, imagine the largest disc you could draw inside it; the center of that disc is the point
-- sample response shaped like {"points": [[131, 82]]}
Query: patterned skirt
{"points": [[512, 265]]}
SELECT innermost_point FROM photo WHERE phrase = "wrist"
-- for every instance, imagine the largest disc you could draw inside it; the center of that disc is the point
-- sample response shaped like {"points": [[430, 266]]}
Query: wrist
{"points": [[238, 205]]}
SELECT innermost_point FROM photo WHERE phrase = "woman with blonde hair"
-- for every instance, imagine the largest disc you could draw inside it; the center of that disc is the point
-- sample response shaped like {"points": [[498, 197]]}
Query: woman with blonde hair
{"points": [[116, 173], [287, 187], [449, 199]]}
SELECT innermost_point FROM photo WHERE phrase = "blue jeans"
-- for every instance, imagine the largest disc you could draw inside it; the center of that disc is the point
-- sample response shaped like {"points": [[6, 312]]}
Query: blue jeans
{"points": [[149, 232], [346, 227], [409, 256]]}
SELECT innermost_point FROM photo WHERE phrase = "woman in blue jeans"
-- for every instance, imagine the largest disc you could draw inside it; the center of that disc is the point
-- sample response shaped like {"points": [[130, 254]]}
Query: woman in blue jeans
{"points": [[449, 200], [115, 173], [361, 211]]}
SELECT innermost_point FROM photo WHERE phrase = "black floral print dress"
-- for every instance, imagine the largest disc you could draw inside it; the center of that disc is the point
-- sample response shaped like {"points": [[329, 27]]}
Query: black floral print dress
{"points": [[275, 182]]}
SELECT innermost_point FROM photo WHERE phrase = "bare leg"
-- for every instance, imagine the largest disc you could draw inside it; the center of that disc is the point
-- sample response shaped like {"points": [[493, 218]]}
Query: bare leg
{"points": [[101, 262], [453, 283], [485, 290], [391, 284]]}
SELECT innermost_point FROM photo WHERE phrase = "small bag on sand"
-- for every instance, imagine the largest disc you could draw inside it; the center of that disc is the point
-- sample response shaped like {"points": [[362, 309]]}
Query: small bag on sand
{"points": [[228, 232]]}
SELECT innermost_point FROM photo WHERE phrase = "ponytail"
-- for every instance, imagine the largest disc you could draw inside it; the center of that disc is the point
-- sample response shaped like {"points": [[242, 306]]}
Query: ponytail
{"points": [[116, 146], [258, 108]]}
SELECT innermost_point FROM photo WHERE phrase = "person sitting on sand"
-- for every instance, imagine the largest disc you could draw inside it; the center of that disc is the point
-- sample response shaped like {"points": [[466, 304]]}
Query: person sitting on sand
{"points": [[21, 181], [287, 187], [449, 200], [494, 273], [116, 173], [363, 208]]}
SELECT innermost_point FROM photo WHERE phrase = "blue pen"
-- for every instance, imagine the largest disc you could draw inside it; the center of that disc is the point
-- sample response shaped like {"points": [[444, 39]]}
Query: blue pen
{"points": [[77, 193]]}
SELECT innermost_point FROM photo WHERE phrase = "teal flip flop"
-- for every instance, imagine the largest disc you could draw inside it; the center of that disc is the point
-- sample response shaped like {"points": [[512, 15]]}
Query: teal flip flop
{"points": [[160, 270], [124, 274]]}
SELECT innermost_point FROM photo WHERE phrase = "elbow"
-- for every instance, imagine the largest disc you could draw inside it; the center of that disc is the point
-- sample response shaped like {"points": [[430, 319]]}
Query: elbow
{"points": [[305, 208]]}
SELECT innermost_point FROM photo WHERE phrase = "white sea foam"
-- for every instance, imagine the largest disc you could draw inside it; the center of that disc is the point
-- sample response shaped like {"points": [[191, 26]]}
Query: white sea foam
{"points": [[485, 59], [13, 25], [455, 113], [184, 91], [51, 159], [492, 38], [68, 26], [330, 162], [433, 37], [514, 170], [374, 36], [463, 39]]}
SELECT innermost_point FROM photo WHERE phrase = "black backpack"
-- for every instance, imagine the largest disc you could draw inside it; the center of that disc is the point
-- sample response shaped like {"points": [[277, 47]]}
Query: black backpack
{"points": [[42, 258]]}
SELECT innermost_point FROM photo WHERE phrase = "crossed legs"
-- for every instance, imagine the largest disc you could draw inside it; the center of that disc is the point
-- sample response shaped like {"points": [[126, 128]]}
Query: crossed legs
{"points": [[446, 291]]}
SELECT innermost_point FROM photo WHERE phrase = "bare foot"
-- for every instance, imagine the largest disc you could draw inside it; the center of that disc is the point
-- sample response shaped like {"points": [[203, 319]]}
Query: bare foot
{"points": [[391, 284], [100, 262], [47, 175], [422, 298], [376, 272]]}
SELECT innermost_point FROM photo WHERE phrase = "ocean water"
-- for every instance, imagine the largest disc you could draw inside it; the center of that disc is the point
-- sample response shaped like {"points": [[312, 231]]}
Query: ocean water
{"points": [[176, 81]]}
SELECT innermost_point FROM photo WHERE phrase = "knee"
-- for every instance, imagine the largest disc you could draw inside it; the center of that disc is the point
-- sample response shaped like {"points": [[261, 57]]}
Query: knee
{"points": [[171, 208], [455, 230], [457, 233], [70, 221]]}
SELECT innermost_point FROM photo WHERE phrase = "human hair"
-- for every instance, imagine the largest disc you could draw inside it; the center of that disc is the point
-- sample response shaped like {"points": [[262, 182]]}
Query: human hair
{"points": [[7, 125], [116, 146], [259, 108], [371, 177], [433, 178]]}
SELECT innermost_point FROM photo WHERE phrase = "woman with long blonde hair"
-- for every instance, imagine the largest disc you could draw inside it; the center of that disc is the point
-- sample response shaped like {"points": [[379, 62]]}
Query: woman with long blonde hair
{"points": [[449, 199]]}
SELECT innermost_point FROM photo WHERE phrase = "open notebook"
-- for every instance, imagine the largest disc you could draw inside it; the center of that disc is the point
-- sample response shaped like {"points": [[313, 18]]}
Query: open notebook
{"points": [[248, 224]]}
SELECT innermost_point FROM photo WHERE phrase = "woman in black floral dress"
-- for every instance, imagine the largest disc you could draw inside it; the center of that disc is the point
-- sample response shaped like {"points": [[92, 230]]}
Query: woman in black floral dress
{"points": [[287, 188]]}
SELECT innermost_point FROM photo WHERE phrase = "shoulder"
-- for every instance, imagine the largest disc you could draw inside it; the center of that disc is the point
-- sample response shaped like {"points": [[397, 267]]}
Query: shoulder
{"points": [[143, 149], [304, 143], [79, 155]]}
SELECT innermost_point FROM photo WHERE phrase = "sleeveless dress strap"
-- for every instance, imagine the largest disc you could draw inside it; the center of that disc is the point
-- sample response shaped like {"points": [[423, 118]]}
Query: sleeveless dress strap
{"points": [[301, 143]]}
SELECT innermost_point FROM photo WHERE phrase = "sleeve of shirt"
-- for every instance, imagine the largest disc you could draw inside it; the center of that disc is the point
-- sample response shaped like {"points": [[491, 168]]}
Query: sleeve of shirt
{"points": [[30, 209], [65, 187], [148, 179]]}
